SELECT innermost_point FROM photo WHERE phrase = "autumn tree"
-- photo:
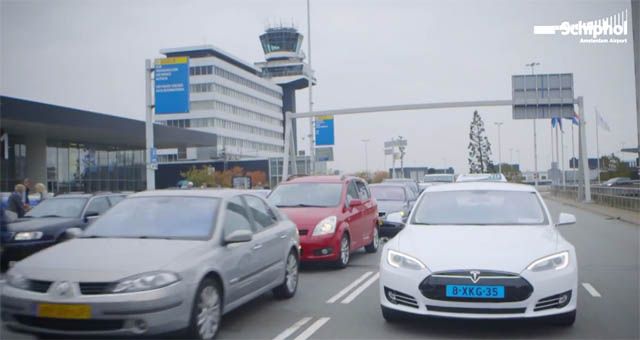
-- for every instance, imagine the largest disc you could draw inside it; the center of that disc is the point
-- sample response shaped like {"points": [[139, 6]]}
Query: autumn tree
{"points": [[379, 176], [479, 147]]}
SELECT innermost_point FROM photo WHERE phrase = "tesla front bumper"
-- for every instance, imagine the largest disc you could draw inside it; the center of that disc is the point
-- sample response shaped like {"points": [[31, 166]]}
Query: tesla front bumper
{"points": [[548, 293], [155, 311]]}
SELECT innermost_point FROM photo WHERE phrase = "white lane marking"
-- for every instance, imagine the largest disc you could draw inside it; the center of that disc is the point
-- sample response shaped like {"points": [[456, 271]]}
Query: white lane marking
{"points": [[360, 289], [349, 287], [312, 329], [590, 289], [294, 328]]}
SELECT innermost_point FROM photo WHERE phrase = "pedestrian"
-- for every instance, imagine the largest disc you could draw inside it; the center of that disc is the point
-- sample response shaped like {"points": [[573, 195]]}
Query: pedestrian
{"points": [[27, 186], [15, 202], [42, 191]]}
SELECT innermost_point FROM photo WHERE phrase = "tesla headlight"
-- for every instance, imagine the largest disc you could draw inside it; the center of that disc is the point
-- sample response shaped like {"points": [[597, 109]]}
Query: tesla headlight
{"points": [[28, 235], [326, 226], [556, 261], [17, 280], [398, 260], [146, 281]]}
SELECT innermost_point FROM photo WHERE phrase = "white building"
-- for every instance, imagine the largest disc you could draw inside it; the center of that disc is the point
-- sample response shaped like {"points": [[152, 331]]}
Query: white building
{"points": [[230, 99]]}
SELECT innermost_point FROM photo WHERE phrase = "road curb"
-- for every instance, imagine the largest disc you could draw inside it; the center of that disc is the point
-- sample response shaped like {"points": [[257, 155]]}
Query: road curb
{"points": [[597, 209]]}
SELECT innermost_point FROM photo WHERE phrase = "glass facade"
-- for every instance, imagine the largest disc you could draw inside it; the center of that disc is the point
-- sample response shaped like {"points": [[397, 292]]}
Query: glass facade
{"points": [[90, 168], [280, 40]]}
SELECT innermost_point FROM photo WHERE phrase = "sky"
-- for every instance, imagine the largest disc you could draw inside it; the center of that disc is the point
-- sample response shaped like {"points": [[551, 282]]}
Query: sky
{"points": [[90, 55]]}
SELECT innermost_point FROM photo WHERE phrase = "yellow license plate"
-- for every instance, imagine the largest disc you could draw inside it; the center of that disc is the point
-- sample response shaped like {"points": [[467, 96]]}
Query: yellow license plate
{"points": [[59, 311]]}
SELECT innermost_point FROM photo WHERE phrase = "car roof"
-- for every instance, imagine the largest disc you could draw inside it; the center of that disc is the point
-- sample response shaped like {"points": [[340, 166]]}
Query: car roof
{"points": [[481, 177], [319, 179], [87, 195], [501, 186], [214, 193], [403, 180]]}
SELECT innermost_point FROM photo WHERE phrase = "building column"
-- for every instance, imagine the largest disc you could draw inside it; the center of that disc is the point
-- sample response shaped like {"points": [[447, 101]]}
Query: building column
{"points": [[36, 158]]}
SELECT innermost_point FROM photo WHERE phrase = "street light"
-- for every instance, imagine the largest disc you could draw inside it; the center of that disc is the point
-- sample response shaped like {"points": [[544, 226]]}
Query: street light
{"points": [[535, 138], [499, 124], [366, 156]]}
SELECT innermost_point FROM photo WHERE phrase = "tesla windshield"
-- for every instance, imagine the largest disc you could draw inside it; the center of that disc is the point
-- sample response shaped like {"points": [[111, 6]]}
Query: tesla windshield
{"points": [[388, 193], [58, 207], [480, 207], [307, 195], [158, 217]]}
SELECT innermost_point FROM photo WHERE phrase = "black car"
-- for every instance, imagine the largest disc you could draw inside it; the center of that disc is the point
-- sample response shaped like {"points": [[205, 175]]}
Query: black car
{"points": [[395, 201], [52, 221]]}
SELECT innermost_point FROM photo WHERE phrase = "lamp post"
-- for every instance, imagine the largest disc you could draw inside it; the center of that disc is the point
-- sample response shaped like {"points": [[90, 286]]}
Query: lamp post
{"points": [[499, 124], [532, 65], [366, 156]]}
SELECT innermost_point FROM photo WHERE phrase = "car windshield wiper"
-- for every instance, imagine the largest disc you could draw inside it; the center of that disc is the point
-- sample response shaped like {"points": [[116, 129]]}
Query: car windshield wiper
{"points": [[49, 216], [301, 205]]}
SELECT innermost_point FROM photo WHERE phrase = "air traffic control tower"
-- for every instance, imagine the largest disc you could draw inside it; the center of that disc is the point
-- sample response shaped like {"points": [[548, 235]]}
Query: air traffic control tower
{"points": [[284, 65]]}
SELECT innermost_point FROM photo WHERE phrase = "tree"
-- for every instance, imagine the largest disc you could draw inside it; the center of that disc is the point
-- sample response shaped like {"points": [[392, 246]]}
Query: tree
{"points": [[258, 178], [479, 147], [363, 174], [200, 176], [612, 167], [379, 176]]}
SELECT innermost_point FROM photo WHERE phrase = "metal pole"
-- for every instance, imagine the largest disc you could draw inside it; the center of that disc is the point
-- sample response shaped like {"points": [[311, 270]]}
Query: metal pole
{"points": [[583, 151], [311, 119], [598, 145], [562, 158], [557, 145], [535, 135], [499, 124], [366, 156], [287, 146], [149, 143]]}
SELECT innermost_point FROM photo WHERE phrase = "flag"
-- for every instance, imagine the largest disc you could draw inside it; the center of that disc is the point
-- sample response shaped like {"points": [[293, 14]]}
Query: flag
{"points": [[557, 121], [601, 122], [575, 119]]}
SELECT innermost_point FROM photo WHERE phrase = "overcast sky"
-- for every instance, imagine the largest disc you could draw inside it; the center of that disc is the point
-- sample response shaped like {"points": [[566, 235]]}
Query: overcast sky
{"points": [[90, 55]]}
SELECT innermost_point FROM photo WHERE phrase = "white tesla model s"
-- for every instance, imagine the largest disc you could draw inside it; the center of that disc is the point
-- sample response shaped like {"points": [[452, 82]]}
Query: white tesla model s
{"points": [[480, 250]]}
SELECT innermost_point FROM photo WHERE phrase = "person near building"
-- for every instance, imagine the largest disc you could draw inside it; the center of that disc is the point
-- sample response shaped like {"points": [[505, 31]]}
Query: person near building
{"points": [[15, 202], [27, 189], [41, 190]]}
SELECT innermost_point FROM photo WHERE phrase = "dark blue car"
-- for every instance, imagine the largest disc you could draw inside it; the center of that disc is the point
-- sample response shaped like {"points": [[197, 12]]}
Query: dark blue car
{"points": [[51, 222]]}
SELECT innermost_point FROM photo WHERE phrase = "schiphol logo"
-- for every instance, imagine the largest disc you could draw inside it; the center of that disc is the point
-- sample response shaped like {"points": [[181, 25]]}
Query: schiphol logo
{"points": [[612, 29]]}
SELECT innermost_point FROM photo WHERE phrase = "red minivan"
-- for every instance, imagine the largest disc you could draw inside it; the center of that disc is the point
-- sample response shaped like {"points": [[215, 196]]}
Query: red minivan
{"points": [[335, 215]]}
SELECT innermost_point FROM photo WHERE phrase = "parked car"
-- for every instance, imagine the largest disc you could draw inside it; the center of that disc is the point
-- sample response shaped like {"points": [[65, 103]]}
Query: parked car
{"points": [[435, 179], [394, 204], [618, 181], [261, 192], [480, 250], [335, 216], [412, 184], [52, 221], [481, 178], [159, 261]]}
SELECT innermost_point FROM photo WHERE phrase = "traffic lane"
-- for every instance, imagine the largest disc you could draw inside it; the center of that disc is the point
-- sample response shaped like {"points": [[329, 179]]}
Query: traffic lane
{"points": [[266, 317], [608, 253]]}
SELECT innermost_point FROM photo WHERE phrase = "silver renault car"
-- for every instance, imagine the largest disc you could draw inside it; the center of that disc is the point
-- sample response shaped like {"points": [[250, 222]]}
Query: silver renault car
{"points": [[158, 262]]}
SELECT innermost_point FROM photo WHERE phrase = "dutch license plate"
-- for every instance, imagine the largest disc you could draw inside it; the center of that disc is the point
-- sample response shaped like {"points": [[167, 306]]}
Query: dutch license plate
{"points": [[63, 311], [480, 292]]}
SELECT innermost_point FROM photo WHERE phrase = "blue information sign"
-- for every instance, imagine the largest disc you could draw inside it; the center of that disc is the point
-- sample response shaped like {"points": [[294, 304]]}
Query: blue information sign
{"points": [[172, 85], [324, 130]]}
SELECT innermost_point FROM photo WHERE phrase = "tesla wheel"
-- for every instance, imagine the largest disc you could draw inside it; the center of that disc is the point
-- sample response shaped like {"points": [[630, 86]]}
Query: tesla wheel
{"points": [[375, 243], [288, 288], [566, 319], [391, 315], [345, 252], [207, 311]]}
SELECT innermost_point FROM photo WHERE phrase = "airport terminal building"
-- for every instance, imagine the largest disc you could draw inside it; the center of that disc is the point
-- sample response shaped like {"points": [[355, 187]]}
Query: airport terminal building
{"points": [[75, 150]]}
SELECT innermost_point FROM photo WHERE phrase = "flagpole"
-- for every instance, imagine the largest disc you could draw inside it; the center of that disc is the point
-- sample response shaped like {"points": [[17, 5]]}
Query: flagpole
{"points": [[598, 144], [557, 152], [573, 146], [552, 154]]}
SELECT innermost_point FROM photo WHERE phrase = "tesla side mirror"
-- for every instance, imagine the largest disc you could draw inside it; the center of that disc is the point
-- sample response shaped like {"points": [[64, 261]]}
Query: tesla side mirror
{"points": [[355, 202], [73, 233], [566, 219], [238, 236]]}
